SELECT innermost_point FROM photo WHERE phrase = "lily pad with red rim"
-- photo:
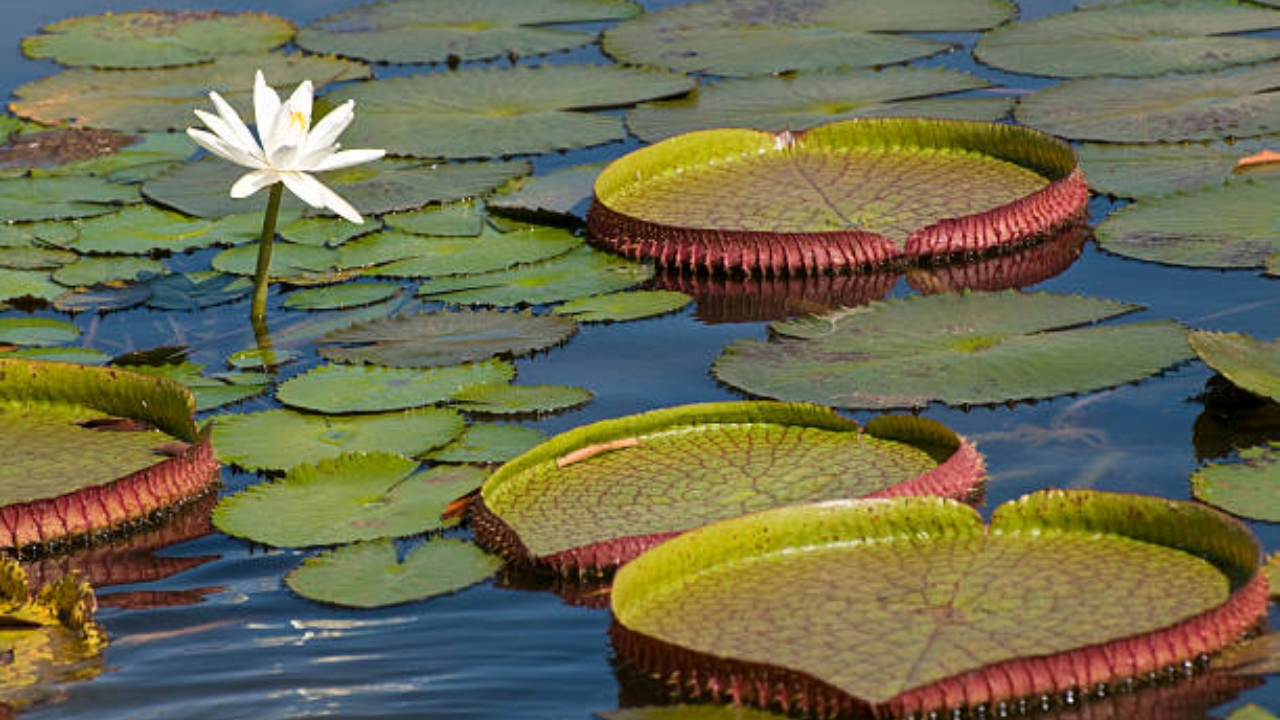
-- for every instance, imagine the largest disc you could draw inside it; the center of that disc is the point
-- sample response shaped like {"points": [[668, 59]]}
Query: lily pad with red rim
{"points": [[1064, 592], [847, 195], [597, 496]]}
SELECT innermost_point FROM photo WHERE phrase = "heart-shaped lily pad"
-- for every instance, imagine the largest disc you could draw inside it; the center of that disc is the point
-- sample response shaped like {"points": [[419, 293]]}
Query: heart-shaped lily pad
{"points": [[621, 306], [595, 497], [847, 195], [486, 442], [403, 254], [53, 198], [1063, 592], [500, 398], [1151, 170], [1249, 488], [579, 273], [371, 388], [39, 331]]}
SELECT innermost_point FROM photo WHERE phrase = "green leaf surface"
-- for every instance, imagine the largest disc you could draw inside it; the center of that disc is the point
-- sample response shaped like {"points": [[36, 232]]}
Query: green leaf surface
{"points": [[53, 198], [369, 574], [927, 592], [345, 499], [89, 271], [34, 258], [1154, 170], [149, 155], [38, 331], [561, 192], [81, 356], [623, 306], [370, 388], [281, 439], [968, 349], [17, 284], [210, 391], [1203, 106], [576, 274], [325, 231], [493, 112], [397, 254], [1249, 488], [341, 297], [758, 37], [458, 219], [162, 99], [803, 100], [196, 291], [102, 298], [1142, 38], [1250, 712], [289, 262], [156, 38], [1249, 363], [501, 398], [485, 442], [141, 230], [428, 31], [446, 338], [1236, 225]]}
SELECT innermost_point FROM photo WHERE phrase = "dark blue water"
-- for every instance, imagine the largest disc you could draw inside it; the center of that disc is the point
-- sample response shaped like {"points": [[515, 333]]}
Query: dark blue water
{"points": [[248, 648]]}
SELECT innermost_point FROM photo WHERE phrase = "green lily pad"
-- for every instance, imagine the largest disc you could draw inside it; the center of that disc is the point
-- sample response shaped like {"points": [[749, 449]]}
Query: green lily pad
{"points": [[1154, 170], [486, 442], [156, 38], [967, 349], [290, 262], [37, 331], [81, 356], [457, 219], [146, 156], [926, 591], [758, 37], [1249, 488], [502, 398], [845, 195], [1250, 712], [325, 231], [162, 99], [370, 388], [210, 391], [599, 495], [562, 192], [803, 100], [576, 274], [623, 306], [202, 188], [24, 152], [1203, 106], [261, 359], [345, 499], [104, 297], [52, 198], [428, 31], [340, 297], [34, 258], [1236, 225], [196, 291], [89, 271], [281, 439], [494, 112], [407, 255], [1247, 362], [446, 338], [141, 230], [369, 574], [18, 284], [1141, 38]]}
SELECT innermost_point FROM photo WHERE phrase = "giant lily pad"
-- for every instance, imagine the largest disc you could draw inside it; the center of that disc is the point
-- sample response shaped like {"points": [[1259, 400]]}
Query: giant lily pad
{"points": [[492, 112], [89, 448], [575, 274], [845, 195], [425, 31], [447, 338], [757, 37], [369, 574], [156, 38], [369, 388], [801, 101], [967, 349], [1249, 363], [1203, 106], [597, 496], [1063, 592], [345, 499], [1141, 38], [1236, 225], [1249, 488]]}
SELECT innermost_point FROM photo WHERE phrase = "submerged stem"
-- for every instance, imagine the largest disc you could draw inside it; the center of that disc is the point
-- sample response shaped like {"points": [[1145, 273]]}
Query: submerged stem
{"points": [[261, 274]]}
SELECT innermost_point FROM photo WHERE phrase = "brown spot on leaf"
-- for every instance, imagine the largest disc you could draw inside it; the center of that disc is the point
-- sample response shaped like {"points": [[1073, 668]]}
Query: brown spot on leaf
{"points": [[59, 147]]}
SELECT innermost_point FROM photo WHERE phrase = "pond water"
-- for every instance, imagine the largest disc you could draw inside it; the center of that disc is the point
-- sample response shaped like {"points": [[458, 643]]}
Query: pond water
{"points": [[243, 646]]}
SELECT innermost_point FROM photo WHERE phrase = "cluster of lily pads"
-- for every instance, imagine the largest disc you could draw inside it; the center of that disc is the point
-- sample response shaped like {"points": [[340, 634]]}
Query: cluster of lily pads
{"points": [[381, 450]]}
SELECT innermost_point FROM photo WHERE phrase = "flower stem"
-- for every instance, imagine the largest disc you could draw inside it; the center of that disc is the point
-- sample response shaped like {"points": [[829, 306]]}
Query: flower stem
{"points": [[261, 275]]}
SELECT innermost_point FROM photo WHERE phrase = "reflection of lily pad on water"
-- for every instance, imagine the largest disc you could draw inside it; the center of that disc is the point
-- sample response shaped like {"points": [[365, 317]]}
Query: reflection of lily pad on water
{"points": [[1106, 587], [595, 497]]}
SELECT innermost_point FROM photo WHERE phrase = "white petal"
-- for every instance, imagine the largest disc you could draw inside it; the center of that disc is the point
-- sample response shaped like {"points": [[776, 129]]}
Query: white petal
{"points": [[347, 158], [252, 182], [331, 126], [240, 135], [223, 149], [266, 105], [300, 183]]}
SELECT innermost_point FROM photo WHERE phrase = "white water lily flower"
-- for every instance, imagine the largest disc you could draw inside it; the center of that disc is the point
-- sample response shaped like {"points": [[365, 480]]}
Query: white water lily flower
{"points": [[291, 149]]}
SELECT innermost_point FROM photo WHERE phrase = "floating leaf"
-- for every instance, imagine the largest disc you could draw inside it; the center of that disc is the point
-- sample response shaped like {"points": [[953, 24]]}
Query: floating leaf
{"points": [[1204, 106], [484, 442], [447, 338], [459, 219], [325, 231], [34, 258], [599, 495], [968, 349], [576, 274], [196, 291], [1249, 488], [51, 198], [141, 230], [369, 574], [405, 255], [491, 112], [563, 191], [801, 101], [18, 284], [368, 388], [1228, 226], [345, 499], [162, 99], [1153, 170], [845, 195], [104, 297], [501, 398], [281, 439], [37, 331], [89, 271], [289, 262], [1247, 362], [428, 31], [758, 37], [927, 594], [82, 356], [53, 148], [340, 297], [622, 306], [1138, 38], [210, 391], [156, 38], [147, 155]]}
